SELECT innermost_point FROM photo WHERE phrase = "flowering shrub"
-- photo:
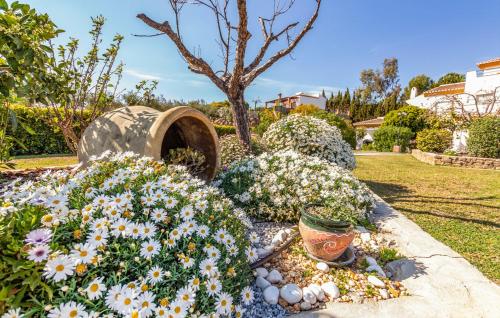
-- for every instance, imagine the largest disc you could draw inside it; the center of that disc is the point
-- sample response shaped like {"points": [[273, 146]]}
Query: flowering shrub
{"points": [[231, 149], [132, 237], [310, 136], [277, 186]]}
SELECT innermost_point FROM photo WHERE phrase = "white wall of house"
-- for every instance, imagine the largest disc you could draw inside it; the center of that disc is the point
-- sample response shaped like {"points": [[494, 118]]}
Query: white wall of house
{"points": [[318, 101]]}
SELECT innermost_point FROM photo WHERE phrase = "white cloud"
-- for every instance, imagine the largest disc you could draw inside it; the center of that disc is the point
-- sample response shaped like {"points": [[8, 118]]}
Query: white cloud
{"points": [[142, 76]]}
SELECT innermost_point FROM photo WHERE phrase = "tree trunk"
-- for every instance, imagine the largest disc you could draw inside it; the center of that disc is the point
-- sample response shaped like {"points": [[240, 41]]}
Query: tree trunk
{"points": [[240, 119]]}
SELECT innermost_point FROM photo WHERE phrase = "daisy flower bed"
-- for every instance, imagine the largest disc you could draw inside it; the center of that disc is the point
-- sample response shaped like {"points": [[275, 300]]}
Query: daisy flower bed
{"points": [[125, 237]]}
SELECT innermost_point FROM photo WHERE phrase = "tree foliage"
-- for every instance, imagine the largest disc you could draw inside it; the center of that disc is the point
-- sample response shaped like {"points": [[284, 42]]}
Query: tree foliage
{"points": [[450, 78], [484, 137], [411, 117], [421, 82]]}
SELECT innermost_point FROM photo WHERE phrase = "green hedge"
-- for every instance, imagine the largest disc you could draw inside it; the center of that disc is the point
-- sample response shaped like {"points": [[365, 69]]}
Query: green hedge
{"points": [[434, 140], [484, 137], [45, 140], [223, 130], [49, 139], [386, 137], [411, 117]]}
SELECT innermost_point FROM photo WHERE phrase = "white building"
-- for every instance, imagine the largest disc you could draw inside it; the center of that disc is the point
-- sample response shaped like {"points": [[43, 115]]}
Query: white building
{"points": [[479, 89], [300, 98], [478, 95], [370, 126]]}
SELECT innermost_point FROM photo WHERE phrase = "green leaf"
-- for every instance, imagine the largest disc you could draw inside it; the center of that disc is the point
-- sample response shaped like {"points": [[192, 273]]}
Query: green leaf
{"points": [[4, 5]]}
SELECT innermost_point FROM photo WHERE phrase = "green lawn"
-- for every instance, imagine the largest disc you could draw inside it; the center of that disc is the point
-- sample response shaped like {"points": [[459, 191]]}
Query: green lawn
{"points": [[458, 206], [33, 162]]}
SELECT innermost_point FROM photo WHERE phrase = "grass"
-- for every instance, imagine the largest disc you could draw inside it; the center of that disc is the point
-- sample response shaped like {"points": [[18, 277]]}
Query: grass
{"points": [[460, 207], [33, 162]]}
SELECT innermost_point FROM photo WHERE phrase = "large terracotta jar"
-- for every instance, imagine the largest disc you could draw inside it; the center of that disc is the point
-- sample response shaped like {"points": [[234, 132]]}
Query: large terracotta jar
{"points": [[324, 239]]}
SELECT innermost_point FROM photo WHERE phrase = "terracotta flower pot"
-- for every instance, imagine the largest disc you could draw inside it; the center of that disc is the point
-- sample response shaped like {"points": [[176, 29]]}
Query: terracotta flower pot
{"points": [[325, 239]]}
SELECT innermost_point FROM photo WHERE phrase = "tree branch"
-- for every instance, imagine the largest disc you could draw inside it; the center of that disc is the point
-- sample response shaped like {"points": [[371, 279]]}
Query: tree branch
{"points": [[253, 73], [241, 47], [195, 64]]}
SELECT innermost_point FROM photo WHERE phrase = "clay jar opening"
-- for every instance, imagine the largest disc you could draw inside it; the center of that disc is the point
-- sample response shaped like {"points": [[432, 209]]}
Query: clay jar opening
{"points": [[190, 132]]}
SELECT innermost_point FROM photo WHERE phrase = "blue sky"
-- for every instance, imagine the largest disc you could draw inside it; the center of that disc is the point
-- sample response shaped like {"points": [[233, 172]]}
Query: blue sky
{"points": [[430, 37]]}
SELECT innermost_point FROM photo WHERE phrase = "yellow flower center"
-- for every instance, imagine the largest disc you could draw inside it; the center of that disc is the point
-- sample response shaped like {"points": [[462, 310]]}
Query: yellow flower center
{"points": [[177, 310], [73, 313], [156, 274], [150, 248], [94, 288], [59, 268], [121, 228], [223, 303], [127, 301], [83, 253]]}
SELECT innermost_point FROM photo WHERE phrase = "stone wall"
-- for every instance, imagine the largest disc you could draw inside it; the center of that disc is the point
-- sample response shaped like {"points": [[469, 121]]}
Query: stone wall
{"points": [[456, 161]]}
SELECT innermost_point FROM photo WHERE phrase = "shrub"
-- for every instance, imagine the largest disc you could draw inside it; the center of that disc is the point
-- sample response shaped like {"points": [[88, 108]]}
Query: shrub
{"points": [[411, 117], [223, 130], [131, 235], [277, 186], [386, 137], [484, 137], [305, 109], [348, 132], [367, 146], [231, 150], [310, 136], [434, 140], [449, 152], [266, 118]]}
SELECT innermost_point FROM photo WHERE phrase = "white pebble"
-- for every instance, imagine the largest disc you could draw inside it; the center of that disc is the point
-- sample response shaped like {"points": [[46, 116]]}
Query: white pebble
{"points": [[331, 290], [318, 292], [271, 295], [375, 281], [308, 295], [291, 293], [262, 283], [370, 260], [365, 237], [323, 267], [305, 305], [376, 268], [274, 277], [262, 272], [263, 252], [384, 293]]}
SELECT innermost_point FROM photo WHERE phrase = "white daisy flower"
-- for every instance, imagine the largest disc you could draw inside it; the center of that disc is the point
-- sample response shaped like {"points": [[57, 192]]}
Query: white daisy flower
{"points": [[159, 215], [12, 313], [170, 202], [59, 268], [220, 236], [119, 227], [254, 238], [98, 238], [212, 252], [187, 212], [247, 295], [177, 309], [146, 304], [95, 289], [213, 286], [155, 274], [208, 267], [203, 231], [150, 248], [148, 230], [83, 253], [73, 309], [224, 303], [186, 295], [251, 254]]}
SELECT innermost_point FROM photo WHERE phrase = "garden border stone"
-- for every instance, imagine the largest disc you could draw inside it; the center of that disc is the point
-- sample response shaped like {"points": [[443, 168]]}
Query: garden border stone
{"points": [[456, 161], [444, 284]]}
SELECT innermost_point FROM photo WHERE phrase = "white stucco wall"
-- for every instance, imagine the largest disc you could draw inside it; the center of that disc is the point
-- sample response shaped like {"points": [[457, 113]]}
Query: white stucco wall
{"points": [[320, 101]]}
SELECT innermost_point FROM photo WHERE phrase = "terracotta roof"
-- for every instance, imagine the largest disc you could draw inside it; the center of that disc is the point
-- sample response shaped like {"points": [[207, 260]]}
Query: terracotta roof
{"points": [[446, 89], [489, 64], [375, 122]]}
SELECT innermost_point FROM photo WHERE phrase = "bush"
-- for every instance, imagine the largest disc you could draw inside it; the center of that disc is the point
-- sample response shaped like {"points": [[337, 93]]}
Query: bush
{"points": [[223, 130], [348, 132], [129, 236], [411, 117], [45, 140], [231, 150], [484, 138], [434, 140], [310, 136], [277, 186], [266, 118], [305, 109], [386, 137], [449, 152]]}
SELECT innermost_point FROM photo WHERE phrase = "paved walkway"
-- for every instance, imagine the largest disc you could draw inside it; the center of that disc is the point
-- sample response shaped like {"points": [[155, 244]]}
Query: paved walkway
{"points": [[444, 285]]}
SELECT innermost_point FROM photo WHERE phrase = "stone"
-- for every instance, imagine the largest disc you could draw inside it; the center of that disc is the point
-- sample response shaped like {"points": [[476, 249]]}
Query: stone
{"points": [[274, 277], [291, 293], [377, 269], [279, 238], [263, 252], [401, 269], [318, 292], [365, 237], [321, 266], [375, 281], [362, 229], [262, 283], [262, 272], [288, 232], [331, 290], [271, 295], [383, 293], [370, 260], [305, 305], [308, 295], [282, 303]]}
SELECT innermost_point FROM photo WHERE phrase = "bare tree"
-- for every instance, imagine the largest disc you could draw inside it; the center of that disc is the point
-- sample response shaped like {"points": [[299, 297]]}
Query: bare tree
{"points": [[235, 76], [469, 106]]}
